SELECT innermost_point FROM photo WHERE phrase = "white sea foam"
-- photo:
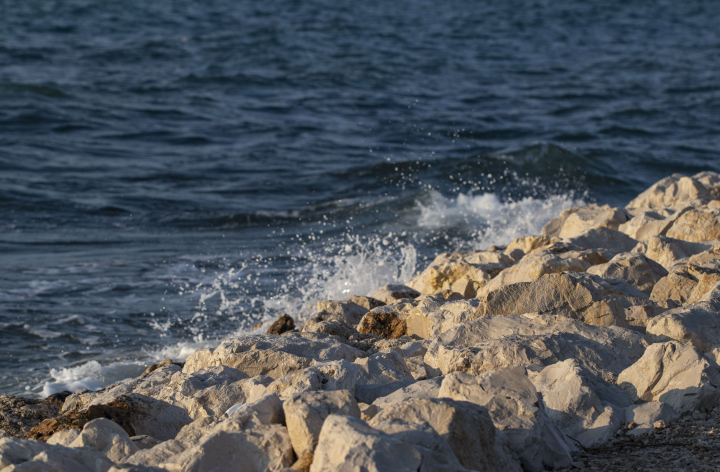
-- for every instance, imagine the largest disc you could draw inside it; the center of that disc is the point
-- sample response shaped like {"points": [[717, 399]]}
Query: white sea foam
{"points": [[91, 375], [492, 221]]}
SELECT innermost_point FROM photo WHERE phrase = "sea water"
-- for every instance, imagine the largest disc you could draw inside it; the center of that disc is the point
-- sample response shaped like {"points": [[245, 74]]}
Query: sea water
{"points": [[174, 172]]}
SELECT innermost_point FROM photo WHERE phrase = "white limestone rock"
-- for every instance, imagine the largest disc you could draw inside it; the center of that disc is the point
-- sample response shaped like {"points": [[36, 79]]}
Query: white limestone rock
{"points": [[381, 368], [332, 375], [423, 389], [272, 355], [634, 268], [433, 316], [577, 220], [674, 373], [674, 192], [644, 416], [305, 414], [28, 455], [604, 238], [668, 251], [335, 310], [492, 342], [696, 225], [583, 406], [517, 410], [465, 426], [106, 437], [392, 293]]}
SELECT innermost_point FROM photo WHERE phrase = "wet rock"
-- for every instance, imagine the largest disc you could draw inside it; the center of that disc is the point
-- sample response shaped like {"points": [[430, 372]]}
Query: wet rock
{"points": [[461, 272], [282, 325], [492, 342], [305, 414], [634, 268], [466, 427], [386, 325], [18, 415], [674, 373], [576, 221], [391, 293]]}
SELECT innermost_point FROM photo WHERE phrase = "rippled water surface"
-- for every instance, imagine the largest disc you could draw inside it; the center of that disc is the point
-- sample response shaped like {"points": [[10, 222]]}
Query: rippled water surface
{"points": [[173, 172]]}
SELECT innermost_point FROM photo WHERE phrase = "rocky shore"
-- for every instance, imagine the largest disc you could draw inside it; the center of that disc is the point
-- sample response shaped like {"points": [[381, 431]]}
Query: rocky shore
{"points": [[594, 345]]}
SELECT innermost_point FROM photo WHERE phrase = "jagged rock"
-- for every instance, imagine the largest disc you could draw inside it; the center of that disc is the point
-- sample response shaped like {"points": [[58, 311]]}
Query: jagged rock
{"points": [[148, 384], [674, 192], [696, 225], [492, 342], [106, 437], [332, 375], [208, 392], [648, 224], [368, 303], [668, 251], [423, 389], [305, 414], [582, 405], [526, 244], [645, 415], [465, 426], [369, 393], [433, 315], [604, 238], [577, 220], [143, 441], [18, 415], [386, 325], [517, 410], [64, 437], [273, 356], [634, 268], [392, 293], [697, 324], [334, 310], [674, 373], [35, 456], [597, 301], [461, 272], [711, 181], [381, 368], [554, 259], [282, 325], [349, 444], [135, 413]]}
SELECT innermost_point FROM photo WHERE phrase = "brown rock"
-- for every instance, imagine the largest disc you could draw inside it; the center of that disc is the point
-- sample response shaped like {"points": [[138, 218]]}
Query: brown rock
{"points": [[154, 367], [386, 325], [283, 324], [19, 415]]}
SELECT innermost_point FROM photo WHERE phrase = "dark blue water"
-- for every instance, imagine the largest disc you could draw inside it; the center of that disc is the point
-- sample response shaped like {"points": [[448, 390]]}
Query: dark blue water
{"points": [[172, 172]]}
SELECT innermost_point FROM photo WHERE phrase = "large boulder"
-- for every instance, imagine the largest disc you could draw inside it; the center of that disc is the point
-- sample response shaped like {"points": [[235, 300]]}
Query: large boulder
{"points": [[597, 301], [270, 355], [577, 220], [466, 427], [517, 410], [669, 251], [106, 437], [461, 272], [492, 342], [582, 405], [674, 192], [632, 267], [552, 259], [381, 368], [674, 373], [35, 456], [648, 224], [327, 376], [696, 225], [697, 324], [348, 444], [305, 414], [433, 315]]}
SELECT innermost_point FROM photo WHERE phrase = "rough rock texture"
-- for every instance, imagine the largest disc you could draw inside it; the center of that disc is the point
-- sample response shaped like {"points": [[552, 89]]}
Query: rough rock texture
{"points": [[634, 268], [391, 293], [577, 220], [34, 456], [335, 310], [668, 251], [368, 303], [597, 301], [674, 192], [643, 417], [492, 342], [332, 375], [697, 324], [604, 238], [461, 272], [386, 325], [696, 225], [674, 373], [423, 389], [582, 405], [106, 437], [517, 410], [273, 356], [434, 315], [349, 444], [305, 414], [465, 426], [18, 415], [281, 325], [381, 368]]}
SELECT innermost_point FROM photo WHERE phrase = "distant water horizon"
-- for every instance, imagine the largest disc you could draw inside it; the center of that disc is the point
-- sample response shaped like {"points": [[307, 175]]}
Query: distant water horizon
{"points": [[174, 172]]}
